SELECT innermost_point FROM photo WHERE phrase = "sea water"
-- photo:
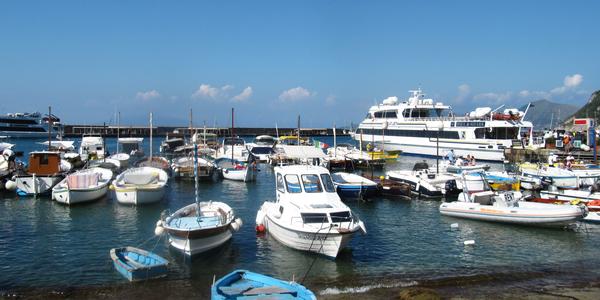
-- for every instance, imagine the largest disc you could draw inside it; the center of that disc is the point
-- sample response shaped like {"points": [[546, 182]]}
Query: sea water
{"points": [[46, 244]]}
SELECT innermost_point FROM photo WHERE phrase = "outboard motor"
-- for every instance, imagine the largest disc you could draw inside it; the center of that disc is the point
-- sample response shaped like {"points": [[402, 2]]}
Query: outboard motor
{"points": [[451, 187], [595, 187]]}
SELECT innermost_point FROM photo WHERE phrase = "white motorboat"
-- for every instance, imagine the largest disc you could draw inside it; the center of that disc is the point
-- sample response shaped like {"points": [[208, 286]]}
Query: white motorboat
{"points": [[308, 214], [509, 207], [45, 170], [425, 182], [83, 186], [358, 157], [588, 194], [200, 227], [131, 146], [140, 185], [236, 170], [235, 148], [459, 166], [558, 177], [92, 147]]}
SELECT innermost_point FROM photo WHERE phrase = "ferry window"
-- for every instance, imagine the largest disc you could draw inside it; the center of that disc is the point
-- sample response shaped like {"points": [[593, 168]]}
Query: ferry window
{"points": [[327, 183], [293, 183], [280, 185], [311, 183], [343, 216], [314, 218], [406, 113], [44, 159]]}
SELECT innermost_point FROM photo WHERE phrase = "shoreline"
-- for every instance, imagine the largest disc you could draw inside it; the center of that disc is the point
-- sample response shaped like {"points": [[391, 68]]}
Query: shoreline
{"points": [[520, 285]]}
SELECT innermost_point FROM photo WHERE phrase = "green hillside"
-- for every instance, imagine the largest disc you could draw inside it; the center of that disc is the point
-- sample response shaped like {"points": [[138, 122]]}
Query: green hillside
{"points": [[590, 110]]}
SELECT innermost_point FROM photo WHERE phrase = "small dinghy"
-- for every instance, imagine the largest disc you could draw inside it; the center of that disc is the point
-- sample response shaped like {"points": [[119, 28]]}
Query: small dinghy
{"points": [[242, 284], [137, 264], [509, 207], [140, 185], [83, 186], [354, 186]]}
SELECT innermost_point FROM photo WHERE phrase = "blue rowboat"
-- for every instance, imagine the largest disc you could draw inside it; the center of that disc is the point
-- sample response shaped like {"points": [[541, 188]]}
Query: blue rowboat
{"points": [[242, 284], [137, 264], [350, 185]]}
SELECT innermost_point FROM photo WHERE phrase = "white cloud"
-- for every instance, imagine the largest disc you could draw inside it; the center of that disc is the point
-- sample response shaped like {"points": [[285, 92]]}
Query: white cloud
{"points": [[295, 94], [464, 90], [147, 95], [206, 91], [573, 80], [330, 100], [244, 95], [227, 87]]}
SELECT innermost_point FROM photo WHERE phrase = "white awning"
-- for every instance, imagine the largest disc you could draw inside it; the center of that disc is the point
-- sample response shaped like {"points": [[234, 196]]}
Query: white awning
{"points": [[303, 152]]}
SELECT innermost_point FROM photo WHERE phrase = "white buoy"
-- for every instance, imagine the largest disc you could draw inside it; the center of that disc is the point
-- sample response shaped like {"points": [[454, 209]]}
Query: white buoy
{"points": [[159, 223], [239, 222], [159, 230], [469, 242], [10, 185], [454, 226]]}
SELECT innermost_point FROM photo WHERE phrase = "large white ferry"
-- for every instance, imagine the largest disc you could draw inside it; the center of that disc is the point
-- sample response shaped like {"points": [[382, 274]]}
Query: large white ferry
{"points": [[423, 127], [29, 125]]}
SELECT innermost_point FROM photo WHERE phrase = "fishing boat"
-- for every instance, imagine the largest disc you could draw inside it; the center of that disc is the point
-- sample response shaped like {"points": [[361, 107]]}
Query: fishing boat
{"points": [[425, 182], [421, 126], [235, 148], [354, 186], [459, 166], [183, 167], [359, 158], [131, 146], [308, 214], [140, 185], [91, 147], [243, 284], [83, 186], [200, 226], [510, 207], [137, 264], [45, 170]]}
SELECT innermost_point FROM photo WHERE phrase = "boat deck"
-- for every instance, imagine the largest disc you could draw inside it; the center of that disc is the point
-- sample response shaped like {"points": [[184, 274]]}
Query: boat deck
{"points": [[195, 222]]}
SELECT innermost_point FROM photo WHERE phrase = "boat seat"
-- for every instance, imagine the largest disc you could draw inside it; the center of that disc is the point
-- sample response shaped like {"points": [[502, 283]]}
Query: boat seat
{"points": [[237, 289], [483, 198], [192, 222], [268, 290]]}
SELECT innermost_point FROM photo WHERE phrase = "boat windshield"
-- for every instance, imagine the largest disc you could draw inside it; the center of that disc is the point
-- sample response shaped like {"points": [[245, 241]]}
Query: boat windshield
{"points": [[280, 184], [262, 150], [293, 183], [328, 183], [311, 183]]}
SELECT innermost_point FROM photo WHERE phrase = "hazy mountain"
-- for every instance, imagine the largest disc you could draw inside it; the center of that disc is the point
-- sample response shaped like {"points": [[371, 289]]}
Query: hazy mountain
{"points": [[544, 112], [590, 110]]}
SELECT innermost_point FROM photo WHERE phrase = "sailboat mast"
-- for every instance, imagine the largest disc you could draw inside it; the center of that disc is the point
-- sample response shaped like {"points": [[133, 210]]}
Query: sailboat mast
{"points": [[49, 127], [191, 125], [232, 134], [298, 130], [118, 129], [334, 142], [150, 136]]}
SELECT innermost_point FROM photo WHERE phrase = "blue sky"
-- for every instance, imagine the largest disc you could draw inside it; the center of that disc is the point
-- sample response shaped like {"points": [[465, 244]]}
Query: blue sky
{"points": [[272, 60]]}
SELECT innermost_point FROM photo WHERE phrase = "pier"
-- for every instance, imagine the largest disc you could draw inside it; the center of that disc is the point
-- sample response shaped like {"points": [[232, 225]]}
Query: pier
{"points": [[142, 131]]}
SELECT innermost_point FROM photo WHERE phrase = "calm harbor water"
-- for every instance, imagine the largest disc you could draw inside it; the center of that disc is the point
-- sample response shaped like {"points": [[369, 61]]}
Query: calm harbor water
{"points": [[46, 244]]}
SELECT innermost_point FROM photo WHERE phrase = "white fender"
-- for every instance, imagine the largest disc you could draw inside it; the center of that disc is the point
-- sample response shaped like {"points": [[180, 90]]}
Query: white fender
{"points": [[159, 230], [10, 185]]}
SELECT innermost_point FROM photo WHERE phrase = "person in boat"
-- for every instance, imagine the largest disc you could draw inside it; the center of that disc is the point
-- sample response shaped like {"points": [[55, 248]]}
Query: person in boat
{"points": [[472, 160], [569, 164], [450, 156], [369, 147]]}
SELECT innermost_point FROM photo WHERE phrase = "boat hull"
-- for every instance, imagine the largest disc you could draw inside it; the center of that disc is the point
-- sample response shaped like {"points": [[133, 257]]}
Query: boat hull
{"points": [[27, 185], [525, 214], [73, 196], [136, 264], [257, 286], [192, 245], [326, 243], [137, 196]]}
